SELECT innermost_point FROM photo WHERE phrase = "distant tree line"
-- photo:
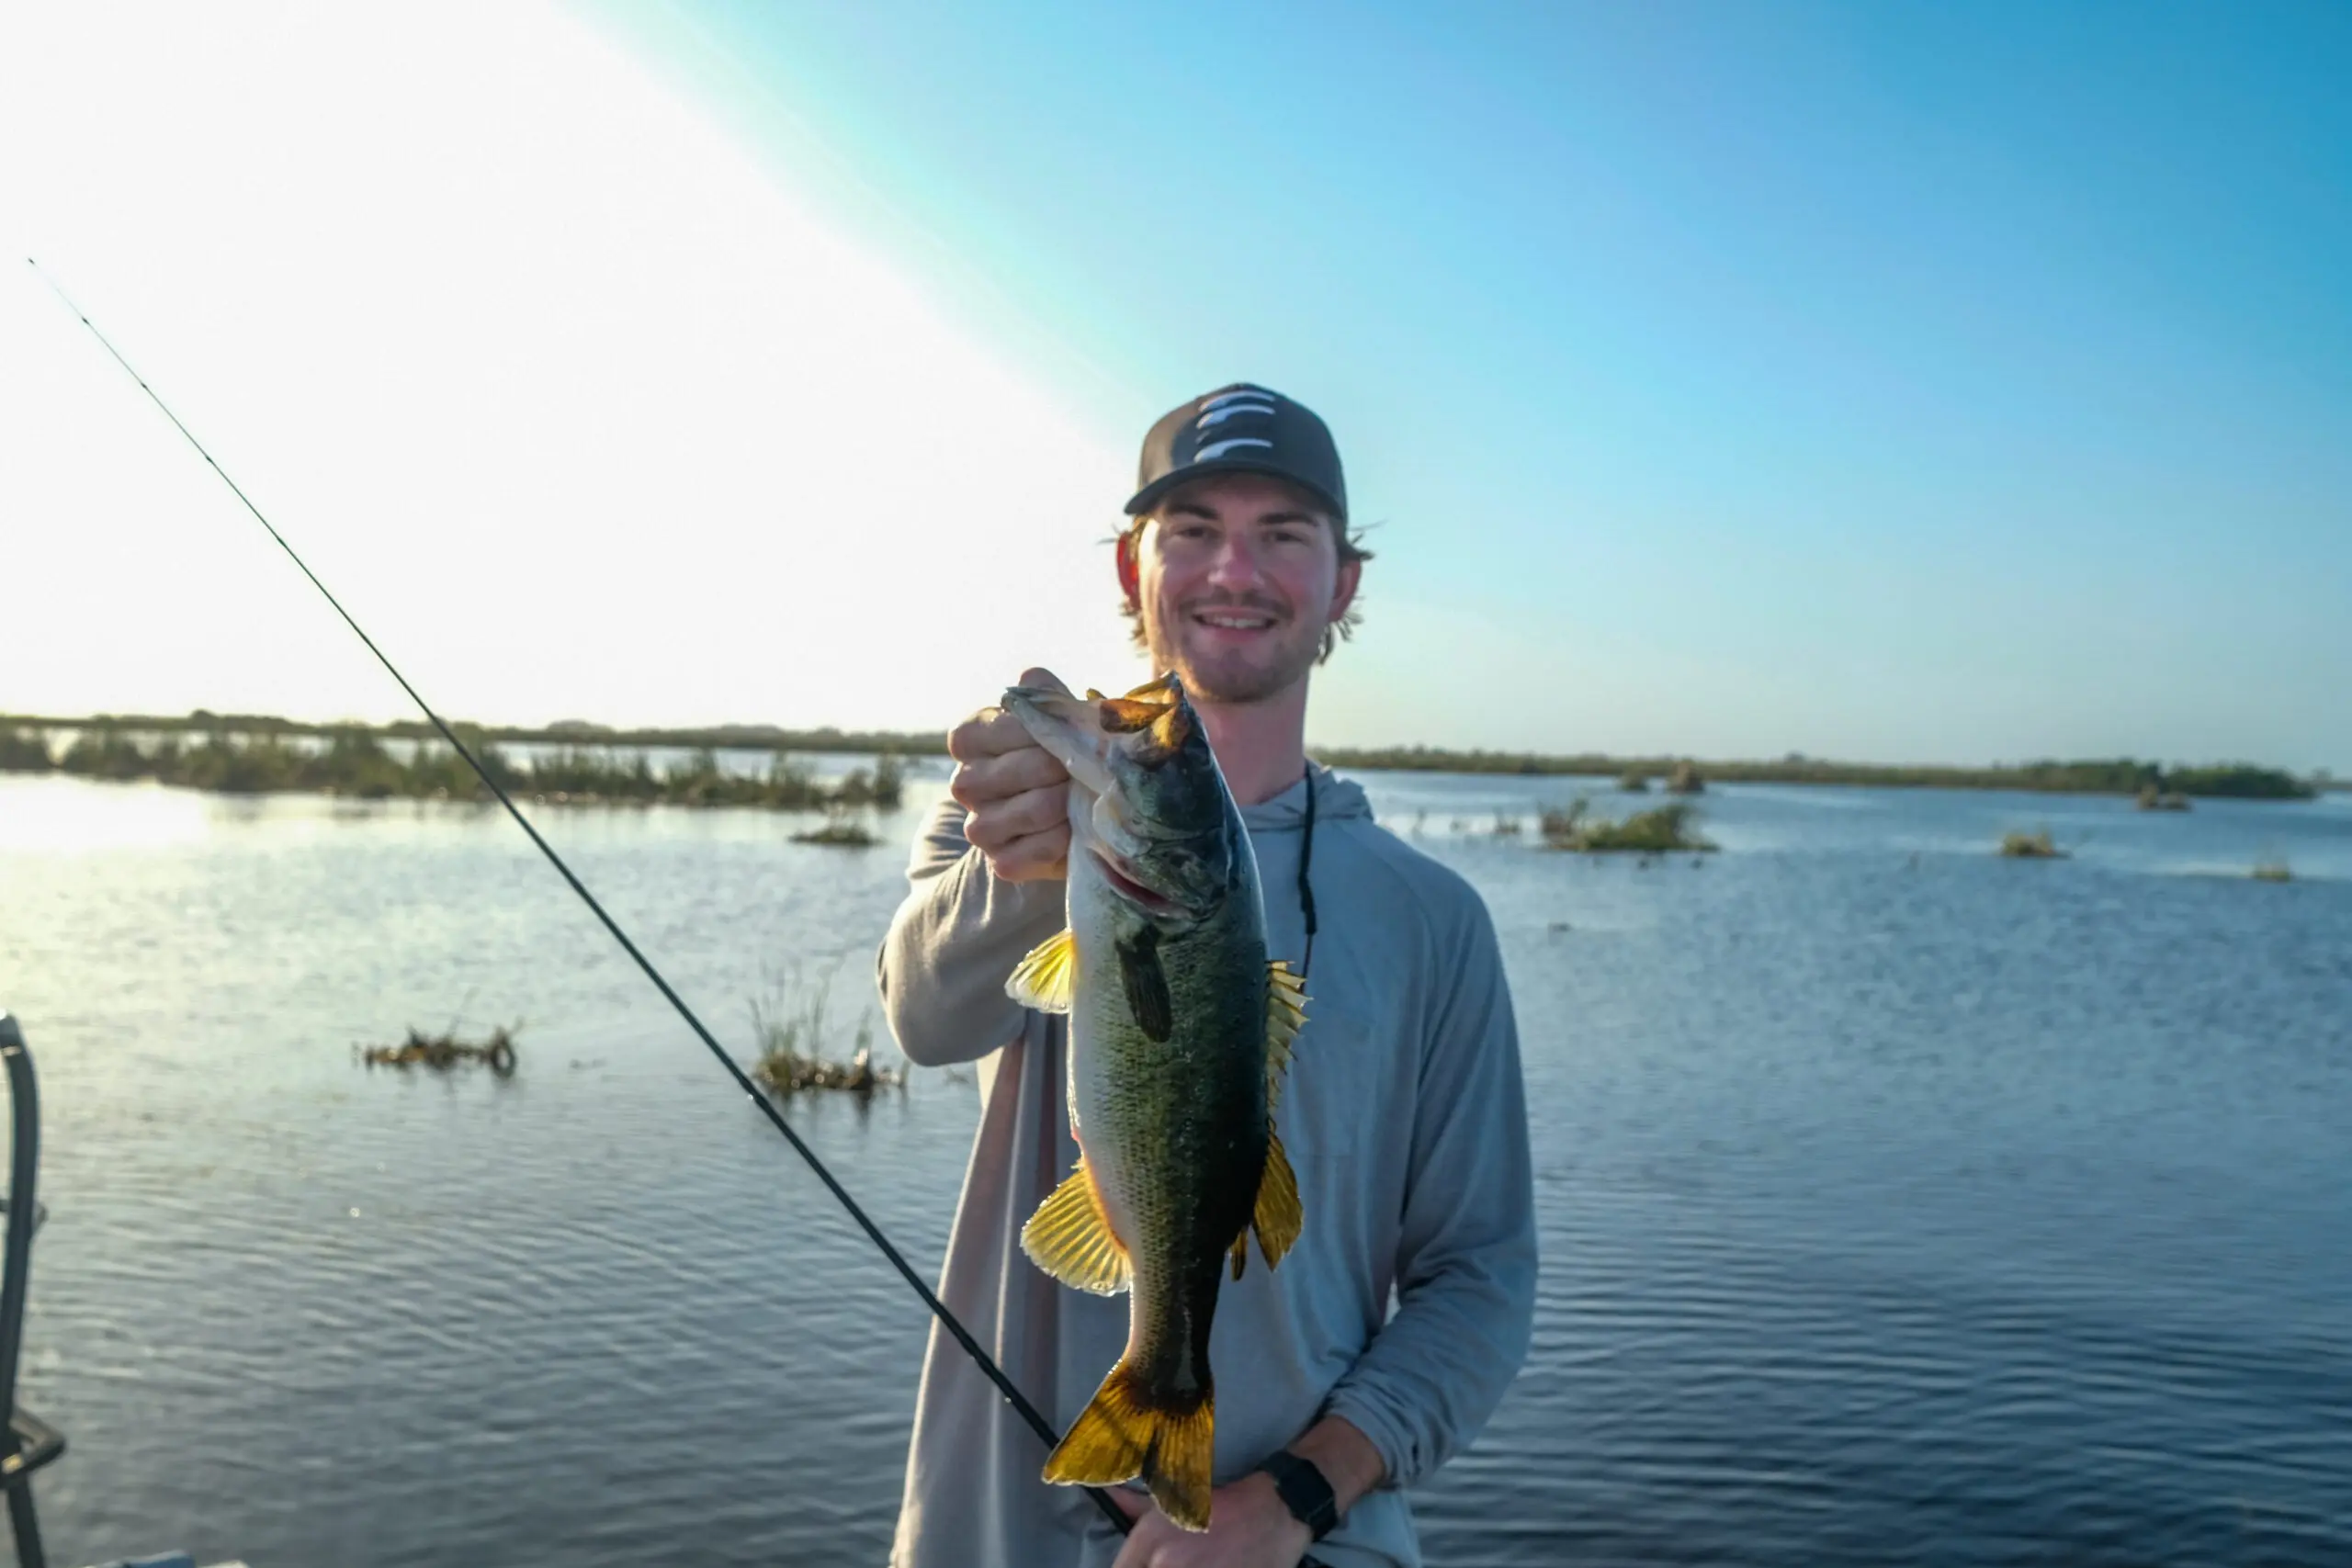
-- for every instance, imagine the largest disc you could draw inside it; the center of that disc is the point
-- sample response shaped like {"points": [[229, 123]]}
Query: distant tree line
{"points": [[2120, 776], [590, 757], [355, 762]]}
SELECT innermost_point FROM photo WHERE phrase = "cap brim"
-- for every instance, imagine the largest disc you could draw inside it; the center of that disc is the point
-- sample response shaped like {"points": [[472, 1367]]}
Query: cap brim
{"points": [[1149, 496]]}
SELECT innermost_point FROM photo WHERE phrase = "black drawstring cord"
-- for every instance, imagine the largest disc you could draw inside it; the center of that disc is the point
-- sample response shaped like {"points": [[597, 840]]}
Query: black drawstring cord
{"points": [[1307, 889]]}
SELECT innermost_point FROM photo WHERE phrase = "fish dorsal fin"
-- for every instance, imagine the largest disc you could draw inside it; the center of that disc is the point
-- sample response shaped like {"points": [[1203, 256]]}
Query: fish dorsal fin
{"points": [[1285, 1016], [1278, 1218], [1069, 1238], [1043, 979]]}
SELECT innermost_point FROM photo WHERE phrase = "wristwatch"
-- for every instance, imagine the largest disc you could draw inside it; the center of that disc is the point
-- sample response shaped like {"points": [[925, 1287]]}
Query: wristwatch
{"points": [[1304, 1491]]}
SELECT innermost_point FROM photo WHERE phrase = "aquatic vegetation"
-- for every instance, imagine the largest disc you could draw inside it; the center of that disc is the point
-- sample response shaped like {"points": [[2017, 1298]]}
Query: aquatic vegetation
{"points": [[1685, 780], [847, 832], [791, 1027], [2121, 776], [1507, 827], [444, 1051], [2154, 798], [23, 750], [354, 760], [2030, 846], [1668, 827], [2273, 870]]}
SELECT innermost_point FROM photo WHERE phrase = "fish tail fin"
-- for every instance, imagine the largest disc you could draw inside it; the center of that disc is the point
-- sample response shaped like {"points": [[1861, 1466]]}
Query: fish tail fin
{"points": [[1129, 1430]]}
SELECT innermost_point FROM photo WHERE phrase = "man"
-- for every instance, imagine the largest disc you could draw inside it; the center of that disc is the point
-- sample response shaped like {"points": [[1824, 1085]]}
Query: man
{"points": [[1403, 1113]]}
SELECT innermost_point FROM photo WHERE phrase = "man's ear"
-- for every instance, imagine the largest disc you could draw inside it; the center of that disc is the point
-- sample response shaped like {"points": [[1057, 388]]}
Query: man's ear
{"points": [[1130, 575], [1343, 588]]}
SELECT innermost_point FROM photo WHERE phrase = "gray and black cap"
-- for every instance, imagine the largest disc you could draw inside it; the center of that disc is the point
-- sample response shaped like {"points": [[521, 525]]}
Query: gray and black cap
{"points": [[1241, 429]]}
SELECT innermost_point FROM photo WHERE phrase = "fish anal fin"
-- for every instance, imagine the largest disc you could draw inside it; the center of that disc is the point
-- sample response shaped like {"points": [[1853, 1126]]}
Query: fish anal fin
{"points": [[1069, 1238], [1278, 1217], [1240, 1252], [1126, 1432], [1044, 980]]}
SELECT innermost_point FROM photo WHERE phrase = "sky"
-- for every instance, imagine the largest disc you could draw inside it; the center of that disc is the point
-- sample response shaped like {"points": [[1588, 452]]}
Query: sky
{"points": [[1903, 383]]}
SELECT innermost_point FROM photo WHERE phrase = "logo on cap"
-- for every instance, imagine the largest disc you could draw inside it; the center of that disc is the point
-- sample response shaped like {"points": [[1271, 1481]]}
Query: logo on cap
{"points": [[1240, 402]]}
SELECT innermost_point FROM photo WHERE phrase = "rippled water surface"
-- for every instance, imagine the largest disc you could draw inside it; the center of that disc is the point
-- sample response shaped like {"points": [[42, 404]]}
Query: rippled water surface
{"points": [[1899, 1204]]}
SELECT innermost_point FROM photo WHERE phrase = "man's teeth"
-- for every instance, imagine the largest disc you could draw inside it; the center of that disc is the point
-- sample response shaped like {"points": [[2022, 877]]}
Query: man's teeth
{"points": [[1235, 622]]}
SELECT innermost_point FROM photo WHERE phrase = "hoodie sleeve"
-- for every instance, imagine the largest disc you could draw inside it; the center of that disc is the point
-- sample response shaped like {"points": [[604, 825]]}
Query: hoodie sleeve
{"points": [[956, 936], [1466, 1265]]}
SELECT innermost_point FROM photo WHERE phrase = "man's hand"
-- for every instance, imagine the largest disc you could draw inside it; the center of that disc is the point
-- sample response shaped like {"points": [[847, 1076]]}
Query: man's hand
{"points": [[1248, 1528], [1013, 787]]}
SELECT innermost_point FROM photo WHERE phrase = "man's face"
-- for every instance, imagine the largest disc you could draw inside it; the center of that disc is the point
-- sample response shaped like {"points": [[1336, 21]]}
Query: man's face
{"points": [[1237, 576]]}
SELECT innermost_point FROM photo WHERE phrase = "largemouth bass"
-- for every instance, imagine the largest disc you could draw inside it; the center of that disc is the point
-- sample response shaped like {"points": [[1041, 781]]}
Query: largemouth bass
{"points": [[1180, 1029]]}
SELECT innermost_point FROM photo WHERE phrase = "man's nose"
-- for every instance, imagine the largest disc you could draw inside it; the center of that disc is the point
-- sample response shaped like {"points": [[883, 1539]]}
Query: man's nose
{"points": [[1235, 567]]}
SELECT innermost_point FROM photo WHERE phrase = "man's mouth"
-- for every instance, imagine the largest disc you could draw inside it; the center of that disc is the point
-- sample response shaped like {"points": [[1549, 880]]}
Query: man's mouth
{"points": [[1220, 618], [1133, 892]]}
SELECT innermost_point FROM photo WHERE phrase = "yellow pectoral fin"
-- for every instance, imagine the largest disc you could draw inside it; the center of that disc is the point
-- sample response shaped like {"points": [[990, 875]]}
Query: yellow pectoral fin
{"points": [[1070, 1238], [1044, 978], [1278, 1218], [1285, 1016]]}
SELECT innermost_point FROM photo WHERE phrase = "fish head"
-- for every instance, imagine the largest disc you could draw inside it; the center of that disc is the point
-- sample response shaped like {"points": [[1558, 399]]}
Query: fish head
{"points": [[1159, 815]]}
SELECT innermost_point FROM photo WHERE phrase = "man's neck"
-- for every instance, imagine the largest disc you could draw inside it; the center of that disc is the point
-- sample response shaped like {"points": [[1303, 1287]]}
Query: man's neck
{"points": [[1261, 746]]}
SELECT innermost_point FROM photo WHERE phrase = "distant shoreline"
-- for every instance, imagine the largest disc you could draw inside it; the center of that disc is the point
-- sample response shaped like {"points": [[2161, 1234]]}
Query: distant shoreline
{"points": [[2123, 776]]}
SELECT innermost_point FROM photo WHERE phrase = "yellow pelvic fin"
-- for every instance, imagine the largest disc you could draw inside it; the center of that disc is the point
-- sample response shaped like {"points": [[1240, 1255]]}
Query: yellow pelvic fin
{"points": [[1123, 1434], [1278, 1218], [1043, 979], [1069, 1238]]}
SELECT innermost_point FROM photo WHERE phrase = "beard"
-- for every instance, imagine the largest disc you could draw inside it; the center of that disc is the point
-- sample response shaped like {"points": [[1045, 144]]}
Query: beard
{"points": [[1271, 662]]}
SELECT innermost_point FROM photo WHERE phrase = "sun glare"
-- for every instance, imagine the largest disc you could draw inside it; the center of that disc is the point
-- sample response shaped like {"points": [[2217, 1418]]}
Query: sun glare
{"points": [[566, 394]]}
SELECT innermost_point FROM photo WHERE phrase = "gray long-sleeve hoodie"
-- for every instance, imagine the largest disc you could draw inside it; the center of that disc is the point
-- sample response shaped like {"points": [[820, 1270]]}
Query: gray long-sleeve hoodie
{"points": [[1403, 1115]]}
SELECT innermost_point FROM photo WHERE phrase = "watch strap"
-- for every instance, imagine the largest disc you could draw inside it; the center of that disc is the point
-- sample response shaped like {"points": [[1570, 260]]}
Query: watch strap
{"points": [[1304, 1491]]}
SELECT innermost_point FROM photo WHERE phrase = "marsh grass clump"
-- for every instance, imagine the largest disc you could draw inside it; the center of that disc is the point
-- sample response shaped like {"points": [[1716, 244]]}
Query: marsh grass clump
{"points": [[2273, 870], [444, 1051], [1685, 780], [2152, 798], [2030, 846], [1507, 827], [1633, 781], [23, 750], [842, 830], [791, 1029], [1667, 828]]}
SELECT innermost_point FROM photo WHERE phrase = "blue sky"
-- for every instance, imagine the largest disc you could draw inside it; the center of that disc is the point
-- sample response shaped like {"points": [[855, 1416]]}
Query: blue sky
{"points": [[1887, 381]]}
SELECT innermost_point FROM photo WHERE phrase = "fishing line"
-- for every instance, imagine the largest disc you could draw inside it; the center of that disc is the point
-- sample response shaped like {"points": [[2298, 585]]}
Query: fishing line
{"points": [[1028, 1412]]}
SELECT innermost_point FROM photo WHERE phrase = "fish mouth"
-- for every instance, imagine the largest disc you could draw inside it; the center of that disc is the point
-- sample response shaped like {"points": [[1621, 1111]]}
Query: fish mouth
{"points": [[1133, 892]]}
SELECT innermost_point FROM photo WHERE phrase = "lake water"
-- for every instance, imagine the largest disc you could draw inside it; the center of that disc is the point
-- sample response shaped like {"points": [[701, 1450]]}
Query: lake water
{"points": [[1899, 1204]]}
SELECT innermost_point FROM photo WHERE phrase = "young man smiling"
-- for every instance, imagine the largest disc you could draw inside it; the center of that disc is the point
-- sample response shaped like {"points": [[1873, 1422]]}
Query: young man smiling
{"points": [[1403, 1113]]}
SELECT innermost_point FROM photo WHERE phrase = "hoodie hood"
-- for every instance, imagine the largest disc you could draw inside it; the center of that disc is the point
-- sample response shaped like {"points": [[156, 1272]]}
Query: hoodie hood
{"points": [[1335, 799]]}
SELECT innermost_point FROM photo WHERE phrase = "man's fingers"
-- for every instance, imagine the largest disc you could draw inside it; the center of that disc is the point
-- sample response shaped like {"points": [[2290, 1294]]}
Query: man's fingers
{"points": [[1037, 857], [995, 826], [990, 732], [986, 780]]}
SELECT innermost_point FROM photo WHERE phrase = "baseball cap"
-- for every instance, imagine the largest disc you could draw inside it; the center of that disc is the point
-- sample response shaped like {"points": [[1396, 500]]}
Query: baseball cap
{"points": [[1241, 429]]}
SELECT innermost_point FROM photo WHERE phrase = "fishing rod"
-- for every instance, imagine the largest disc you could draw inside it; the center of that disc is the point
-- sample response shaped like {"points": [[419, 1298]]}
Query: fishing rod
{"points": [[939, 1309]]}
